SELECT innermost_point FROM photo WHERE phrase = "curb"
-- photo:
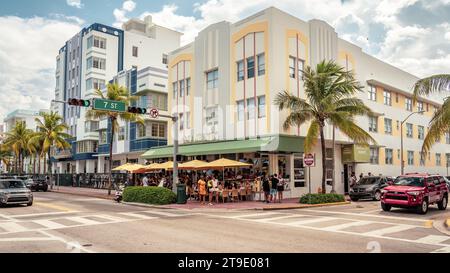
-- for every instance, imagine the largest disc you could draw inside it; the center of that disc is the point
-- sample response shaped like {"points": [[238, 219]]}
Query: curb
{"points": [[86, 195], [306, 206], [145, 205]]}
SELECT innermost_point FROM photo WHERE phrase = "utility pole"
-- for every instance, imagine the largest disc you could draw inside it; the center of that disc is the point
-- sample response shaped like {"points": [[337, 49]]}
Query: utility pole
{"points": [[402, 163], [175, 154]]}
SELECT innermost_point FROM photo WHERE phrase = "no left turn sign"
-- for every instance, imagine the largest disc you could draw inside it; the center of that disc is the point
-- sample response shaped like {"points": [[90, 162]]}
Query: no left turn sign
{"points": [[154, 113]]}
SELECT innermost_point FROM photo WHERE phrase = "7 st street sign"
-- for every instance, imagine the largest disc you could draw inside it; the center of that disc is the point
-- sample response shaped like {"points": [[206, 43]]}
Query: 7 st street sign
{"points": [[109, 105]]}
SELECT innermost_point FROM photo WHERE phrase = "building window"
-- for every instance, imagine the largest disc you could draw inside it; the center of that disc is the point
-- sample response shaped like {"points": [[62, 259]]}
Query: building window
{"points": [[420, 107], [421, 132], [422, 159], [262, 107], [250, 67], [438, 159], [181, 122], [211, 118], [96, 84], [398, 154], [121, 135], [188, 86], [261, 64], [175, 89], [301, 67], [188, 120], [292, 67], [389, 155], [240, 70], [240, 110], [387, 98], [448, 159], [165, 59], [411, 158], [140, 130], [135, 51], [103, 137], [158, 130], [373, 124], [409, 130], [91, 126], [408, 104], [372, 94], [156, 100], [388, 126], [447, 138], [374, 156], [100, 42], [212, 79], [182, 83], [251, 108], [94, 62]]}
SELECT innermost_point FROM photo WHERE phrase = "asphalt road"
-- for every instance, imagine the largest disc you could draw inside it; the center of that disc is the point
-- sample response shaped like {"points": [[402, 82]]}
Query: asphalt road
{"points": [[66, 223]]}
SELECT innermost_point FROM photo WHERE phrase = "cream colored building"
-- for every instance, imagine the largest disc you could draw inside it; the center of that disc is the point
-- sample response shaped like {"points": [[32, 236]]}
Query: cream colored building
{"points": [[223, 84]]}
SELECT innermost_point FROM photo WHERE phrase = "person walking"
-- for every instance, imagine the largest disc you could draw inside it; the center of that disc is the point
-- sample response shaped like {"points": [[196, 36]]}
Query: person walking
{"points": [[352, 180], [266, 188], [210, 189], [202, 190], [273, 190], [145, 181], [280, 188]]}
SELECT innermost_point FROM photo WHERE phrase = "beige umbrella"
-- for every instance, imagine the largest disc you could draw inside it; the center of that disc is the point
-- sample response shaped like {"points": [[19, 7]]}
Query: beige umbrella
{"points": [[148, 168], [192, 165], [224, 163], [129, 167]]}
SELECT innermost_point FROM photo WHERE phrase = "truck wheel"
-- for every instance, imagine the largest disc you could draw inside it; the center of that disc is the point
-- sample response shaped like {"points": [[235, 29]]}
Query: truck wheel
{"points": [[385, 207], [377, 196], [442, 205], [423, 208]]}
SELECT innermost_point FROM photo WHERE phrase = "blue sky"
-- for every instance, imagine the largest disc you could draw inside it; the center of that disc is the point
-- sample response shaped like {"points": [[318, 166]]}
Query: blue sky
{"points": [[413, 35]]}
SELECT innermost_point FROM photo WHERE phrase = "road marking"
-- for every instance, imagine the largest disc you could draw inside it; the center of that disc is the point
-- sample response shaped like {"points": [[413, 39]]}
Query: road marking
{"points": [[371, 211], [49, 224], [278, 218], [383, 231], [44, 214], [428, 224], [442, 250], [111, 218], [27, 239], [134, 214], [83, 220], [366, 215], [53, 206], [252, 215], [12, 227], [310, 221], [168, 214], [347, 225], [433, 239], [49, 235]]}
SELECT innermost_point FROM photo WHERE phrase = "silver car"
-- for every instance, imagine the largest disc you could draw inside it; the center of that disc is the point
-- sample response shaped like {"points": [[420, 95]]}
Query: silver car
{"points": [[15, 191]]}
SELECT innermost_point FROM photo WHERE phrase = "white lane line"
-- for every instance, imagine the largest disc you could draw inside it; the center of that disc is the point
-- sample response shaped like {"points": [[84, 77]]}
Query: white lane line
{"points": [[111, 218], [83, 220], [365, 215], [433, 239], [49, 224], [69, 245], [383, 231], [26, 239], [371, 211], [12, 227], [310, 221], [347, 225], [44, 214], [252, 215], [168, 214], [136, 215], [265, 220], [7, 217]]}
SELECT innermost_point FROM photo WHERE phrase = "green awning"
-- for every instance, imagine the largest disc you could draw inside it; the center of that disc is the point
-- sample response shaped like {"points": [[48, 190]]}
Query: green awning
{"points": [[279, 143]]}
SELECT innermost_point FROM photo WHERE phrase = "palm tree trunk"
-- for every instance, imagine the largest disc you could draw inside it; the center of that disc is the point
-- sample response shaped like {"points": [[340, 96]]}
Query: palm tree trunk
{"points": [[45, 166], [49, 169], [32, 157], [39, 163], [324, 167], [111, 141]]}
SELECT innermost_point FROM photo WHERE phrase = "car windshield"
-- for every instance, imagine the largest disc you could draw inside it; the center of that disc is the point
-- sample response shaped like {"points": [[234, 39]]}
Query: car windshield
{"points": [[368, 180], [409, 181], [12, 184]]}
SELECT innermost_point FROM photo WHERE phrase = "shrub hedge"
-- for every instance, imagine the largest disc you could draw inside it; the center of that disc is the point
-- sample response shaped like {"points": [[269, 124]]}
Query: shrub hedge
{"points": [[149, 195], [317, 198]]}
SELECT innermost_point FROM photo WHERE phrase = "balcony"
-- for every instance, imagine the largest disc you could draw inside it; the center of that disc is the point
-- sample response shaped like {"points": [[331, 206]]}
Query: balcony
{"points": [[62, 154]]}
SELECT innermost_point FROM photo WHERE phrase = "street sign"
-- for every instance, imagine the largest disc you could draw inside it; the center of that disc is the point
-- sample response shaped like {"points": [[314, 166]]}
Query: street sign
{"points": [[309, 160], [109, 105], [154, 113]]}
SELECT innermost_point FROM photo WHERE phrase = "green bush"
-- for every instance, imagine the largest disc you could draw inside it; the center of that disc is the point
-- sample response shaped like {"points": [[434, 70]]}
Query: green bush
{"points": [[316, 198], [149, 195]]}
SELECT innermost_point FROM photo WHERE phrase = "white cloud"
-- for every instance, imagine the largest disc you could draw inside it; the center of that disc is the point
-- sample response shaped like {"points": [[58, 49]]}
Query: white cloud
{"points": [[120, 13], [372, 25], [28, 59], [75, 3]]}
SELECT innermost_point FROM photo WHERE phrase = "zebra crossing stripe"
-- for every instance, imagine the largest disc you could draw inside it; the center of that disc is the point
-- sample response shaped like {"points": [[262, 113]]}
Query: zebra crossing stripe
{"points": [[136, 215], [265, 220], [310, 221], [346, 225], [433, 239], [383, 231], [12, 227], [111, 218], [252, 215], [83, 220], [49, 224]]}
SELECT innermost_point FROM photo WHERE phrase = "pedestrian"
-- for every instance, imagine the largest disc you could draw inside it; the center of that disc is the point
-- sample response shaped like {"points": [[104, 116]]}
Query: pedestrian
{"points": [[145, 181], [273, 190], [352, 180], [361, 176], [280, 188], [202, 190], [210, 189], [370, 174], [266, 189]]}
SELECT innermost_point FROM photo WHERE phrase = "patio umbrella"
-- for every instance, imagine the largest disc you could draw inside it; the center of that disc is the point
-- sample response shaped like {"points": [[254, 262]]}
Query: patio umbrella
{"points": [[164, 166], [148, 168], [222, 164], [129, 167], [192, 165]]}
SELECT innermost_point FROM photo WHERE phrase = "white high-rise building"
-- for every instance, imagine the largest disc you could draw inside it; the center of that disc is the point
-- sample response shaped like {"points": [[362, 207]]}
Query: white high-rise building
{"points": [[87, 62]]}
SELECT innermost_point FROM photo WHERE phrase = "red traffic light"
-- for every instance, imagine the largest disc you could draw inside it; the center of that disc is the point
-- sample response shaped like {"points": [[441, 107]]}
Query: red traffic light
{"points": [[78, 102], [137, 110]]}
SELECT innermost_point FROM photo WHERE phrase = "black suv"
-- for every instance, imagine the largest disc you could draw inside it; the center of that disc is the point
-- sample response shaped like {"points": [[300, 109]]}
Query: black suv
{"points": [[369, 187], [37, 185]]}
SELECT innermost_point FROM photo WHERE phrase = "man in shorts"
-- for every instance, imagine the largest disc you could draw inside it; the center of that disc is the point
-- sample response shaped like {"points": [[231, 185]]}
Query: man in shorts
{"points": [[273, 190]]}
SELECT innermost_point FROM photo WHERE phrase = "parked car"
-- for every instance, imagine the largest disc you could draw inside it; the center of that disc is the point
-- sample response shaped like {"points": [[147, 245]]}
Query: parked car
{"points": [[369, 187], [447, 180], [416, 190], [37, 185], [15, 191]]}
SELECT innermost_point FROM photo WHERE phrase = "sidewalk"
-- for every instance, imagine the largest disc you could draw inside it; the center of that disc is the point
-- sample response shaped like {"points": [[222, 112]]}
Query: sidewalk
{"points": [[97, 193]]}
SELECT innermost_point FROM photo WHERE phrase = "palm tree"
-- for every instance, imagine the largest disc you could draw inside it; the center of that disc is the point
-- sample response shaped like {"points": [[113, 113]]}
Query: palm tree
{"points": [[440, 122], [18, 139], [115, 93], [50, 132], [5, 156], [329, 90]]}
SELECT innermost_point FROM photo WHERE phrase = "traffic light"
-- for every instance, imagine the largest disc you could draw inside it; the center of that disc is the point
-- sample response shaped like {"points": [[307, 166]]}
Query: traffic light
{"points": [[78, 102], [137, 110]]}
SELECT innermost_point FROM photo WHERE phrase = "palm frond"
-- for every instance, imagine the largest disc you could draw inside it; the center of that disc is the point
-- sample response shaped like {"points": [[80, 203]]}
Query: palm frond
{"points": [[432, 84], [312, 136], [439, 125]]}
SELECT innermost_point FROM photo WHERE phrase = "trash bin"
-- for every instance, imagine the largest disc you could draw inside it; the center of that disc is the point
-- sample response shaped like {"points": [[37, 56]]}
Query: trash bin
{"points": [[181, 194]]}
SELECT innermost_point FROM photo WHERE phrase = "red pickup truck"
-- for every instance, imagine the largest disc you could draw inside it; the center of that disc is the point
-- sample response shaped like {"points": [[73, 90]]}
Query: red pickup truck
{"points": [[416, 190]]}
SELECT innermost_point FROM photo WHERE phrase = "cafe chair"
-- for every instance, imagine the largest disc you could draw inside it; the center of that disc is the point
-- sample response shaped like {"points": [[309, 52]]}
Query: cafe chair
{"points": [[235, 195]]}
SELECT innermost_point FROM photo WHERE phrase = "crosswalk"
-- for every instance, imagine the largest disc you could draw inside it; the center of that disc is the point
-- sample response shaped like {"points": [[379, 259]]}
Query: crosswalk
{"points": [[379, 227], [18, 224]]}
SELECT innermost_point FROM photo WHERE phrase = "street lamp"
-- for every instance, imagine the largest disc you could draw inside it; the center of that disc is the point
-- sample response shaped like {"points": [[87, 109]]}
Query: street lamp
{"points": [[402, 162]]}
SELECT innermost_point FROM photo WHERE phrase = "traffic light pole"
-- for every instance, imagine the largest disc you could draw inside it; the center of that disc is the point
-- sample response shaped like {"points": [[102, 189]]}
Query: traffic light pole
{"points": [[175, 150]]}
